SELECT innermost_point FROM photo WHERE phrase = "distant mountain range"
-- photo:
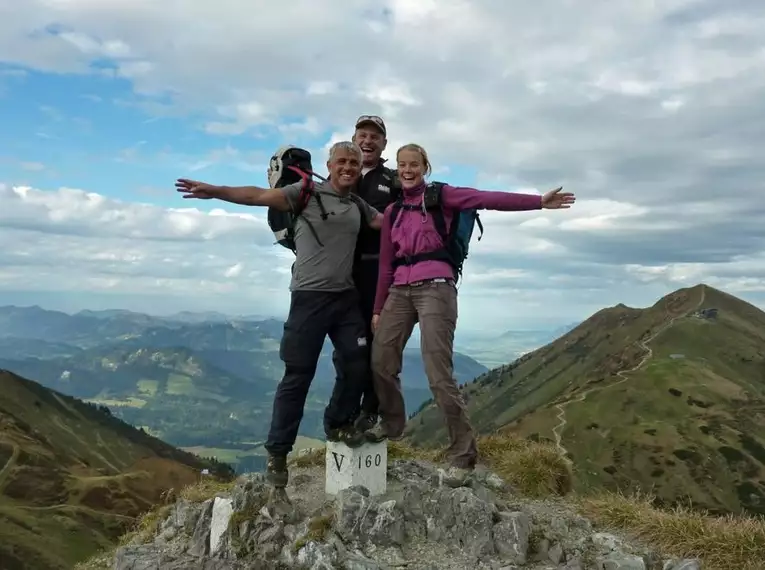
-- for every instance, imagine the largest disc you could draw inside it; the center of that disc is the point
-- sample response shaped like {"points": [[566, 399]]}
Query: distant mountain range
{"points": [[73, 478], [495, 350], [669, 399], [195, 380]]}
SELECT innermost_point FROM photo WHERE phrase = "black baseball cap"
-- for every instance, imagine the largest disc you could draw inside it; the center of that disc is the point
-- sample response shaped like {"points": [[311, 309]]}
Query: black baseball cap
{"points": [[373, 120]]}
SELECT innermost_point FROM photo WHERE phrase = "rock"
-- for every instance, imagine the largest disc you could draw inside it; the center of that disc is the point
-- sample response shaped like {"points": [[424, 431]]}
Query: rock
{"points": [[555, 554], [251, 493], [618, 561], [200, 538], [357, 561], [458, 517], [180, 523], [417, 524], [221, 515], [511, 537], [362, 519], [688, 564], [316, 556], [606, 542], [146, 557]]}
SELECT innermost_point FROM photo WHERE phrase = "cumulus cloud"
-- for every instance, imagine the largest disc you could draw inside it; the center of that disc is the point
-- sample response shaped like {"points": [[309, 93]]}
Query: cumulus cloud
{"points": [[78, 242], [652, 112]]}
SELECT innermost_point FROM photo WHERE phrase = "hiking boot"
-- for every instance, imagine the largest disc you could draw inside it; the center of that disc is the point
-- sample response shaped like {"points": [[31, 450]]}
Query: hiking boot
{"points": [[348, 435], [379, 433], [279, 503], [276, 471], [365, 421], [455, 476]]}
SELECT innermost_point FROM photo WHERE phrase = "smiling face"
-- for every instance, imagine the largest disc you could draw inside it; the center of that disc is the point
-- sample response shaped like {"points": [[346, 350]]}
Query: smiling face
{"points": [[413, 165], [372, 142], [344, 168]]}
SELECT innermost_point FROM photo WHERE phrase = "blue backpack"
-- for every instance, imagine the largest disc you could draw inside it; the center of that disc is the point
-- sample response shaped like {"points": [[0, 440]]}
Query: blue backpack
{"points": [[456, 240]]}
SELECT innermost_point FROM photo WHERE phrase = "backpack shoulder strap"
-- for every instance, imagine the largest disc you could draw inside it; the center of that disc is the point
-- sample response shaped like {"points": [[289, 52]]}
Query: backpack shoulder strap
{"points": [[307, 191], [395, 184], [356, 199], [434, 205], [396, 209], [480, 225], [322, 210]]}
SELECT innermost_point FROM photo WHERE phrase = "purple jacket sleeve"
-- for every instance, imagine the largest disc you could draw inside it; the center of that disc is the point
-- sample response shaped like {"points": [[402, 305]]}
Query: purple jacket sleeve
{"points": [[385, 276], [461, 198]]}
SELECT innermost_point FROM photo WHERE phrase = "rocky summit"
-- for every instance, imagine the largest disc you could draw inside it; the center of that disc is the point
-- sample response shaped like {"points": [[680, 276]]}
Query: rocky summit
{"points": [[419, 524]]}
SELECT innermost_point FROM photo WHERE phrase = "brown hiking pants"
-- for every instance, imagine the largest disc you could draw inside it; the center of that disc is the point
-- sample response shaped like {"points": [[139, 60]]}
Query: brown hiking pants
{"points": [[434, 304]]}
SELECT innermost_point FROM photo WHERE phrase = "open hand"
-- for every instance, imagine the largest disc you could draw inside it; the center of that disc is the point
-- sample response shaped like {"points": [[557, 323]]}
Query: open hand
{"points": [[375, 322], [196, 189], [555, 199]]}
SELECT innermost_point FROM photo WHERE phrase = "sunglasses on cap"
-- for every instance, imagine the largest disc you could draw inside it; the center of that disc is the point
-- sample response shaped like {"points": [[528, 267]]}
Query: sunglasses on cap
{"points": [[372, 119]]}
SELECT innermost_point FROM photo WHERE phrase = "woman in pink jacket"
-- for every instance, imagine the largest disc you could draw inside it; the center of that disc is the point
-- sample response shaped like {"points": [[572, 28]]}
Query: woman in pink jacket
{"points": [[411, 290]]}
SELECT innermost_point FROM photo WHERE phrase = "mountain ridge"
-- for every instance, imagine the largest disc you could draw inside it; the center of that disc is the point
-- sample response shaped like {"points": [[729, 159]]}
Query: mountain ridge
{"points": [[623, 374], [199, 384], [669, 398], [74, 477]]}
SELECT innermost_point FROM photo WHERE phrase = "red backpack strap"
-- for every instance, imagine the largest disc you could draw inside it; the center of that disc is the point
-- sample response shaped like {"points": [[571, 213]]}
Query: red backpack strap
{"points": [[306, 191]]}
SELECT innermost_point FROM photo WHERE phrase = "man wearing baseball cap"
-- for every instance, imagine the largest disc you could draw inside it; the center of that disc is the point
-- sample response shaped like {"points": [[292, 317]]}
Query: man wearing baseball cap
{"points": [[379, 187]]}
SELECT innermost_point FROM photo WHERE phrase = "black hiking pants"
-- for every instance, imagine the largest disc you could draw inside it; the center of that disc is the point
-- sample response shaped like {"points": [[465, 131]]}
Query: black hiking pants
{"points": [[314, 315], [365, 276]]}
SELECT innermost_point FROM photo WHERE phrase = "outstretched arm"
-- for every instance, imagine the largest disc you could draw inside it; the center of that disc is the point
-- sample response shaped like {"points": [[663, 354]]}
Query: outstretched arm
{"points": [[385, 274], [461, 198], [278, 198]]}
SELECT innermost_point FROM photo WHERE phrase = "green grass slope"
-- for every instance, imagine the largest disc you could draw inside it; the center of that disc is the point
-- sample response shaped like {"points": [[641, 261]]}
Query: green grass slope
{"points": [[659, 399], [73, 478]]}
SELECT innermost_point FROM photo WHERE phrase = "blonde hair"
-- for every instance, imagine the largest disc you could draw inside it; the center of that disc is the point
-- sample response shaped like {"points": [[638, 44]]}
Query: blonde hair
{"points": [[422, 152]]}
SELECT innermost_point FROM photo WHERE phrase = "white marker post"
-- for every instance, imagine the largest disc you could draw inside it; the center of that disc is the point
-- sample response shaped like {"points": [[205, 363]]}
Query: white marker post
{"points": [[366, 465]]}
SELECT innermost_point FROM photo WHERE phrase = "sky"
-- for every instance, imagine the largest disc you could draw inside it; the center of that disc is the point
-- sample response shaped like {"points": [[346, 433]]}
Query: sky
{"points": [[652, 113]]}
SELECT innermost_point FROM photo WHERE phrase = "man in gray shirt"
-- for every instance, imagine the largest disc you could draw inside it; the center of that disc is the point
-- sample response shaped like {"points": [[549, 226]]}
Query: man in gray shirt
{"points": [[324, 299]]}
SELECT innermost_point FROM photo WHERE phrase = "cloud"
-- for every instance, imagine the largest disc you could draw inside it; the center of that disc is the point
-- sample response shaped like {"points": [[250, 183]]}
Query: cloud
{"points": [[80, 242], [652, 112], [32, 166]]}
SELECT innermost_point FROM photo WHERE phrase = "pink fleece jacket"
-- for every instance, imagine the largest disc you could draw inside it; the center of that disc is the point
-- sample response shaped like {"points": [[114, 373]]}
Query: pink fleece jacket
{"points": [[412, 235]]}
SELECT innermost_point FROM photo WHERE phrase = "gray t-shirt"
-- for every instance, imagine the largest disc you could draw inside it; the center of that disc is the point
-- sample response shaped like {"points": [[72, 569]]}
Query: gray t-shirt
{"points": [[328, 267]]}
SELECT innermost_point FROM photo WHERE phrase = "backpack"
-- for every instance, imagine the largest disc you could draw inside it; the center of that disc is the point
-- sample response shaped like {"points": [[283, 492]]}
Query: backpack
{"points": [[456, 240], [289, 165]]}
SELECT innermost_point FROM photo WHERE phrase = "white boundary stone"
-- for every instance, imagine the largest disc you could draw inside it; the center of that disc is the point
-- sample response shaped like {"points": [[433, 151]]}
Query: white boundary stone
{"points": [[221, 514], [366, 466]]}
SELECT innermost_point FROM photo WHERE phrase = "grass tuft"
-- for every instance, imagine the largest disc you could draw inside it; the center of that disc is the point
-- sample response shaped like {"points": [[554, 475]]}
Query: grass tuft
{"points": [[402, 450], [731, 542], [146, 526], [310, 458], [533, 469], [205, 489], [318, 529]]}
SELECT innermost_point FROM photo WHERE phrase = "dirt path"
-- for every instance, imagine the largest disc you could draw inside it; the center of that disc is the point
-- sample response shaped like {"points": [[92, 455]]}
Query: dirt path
{"points": [[622, 374], [6, 470], [80, 508]]}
